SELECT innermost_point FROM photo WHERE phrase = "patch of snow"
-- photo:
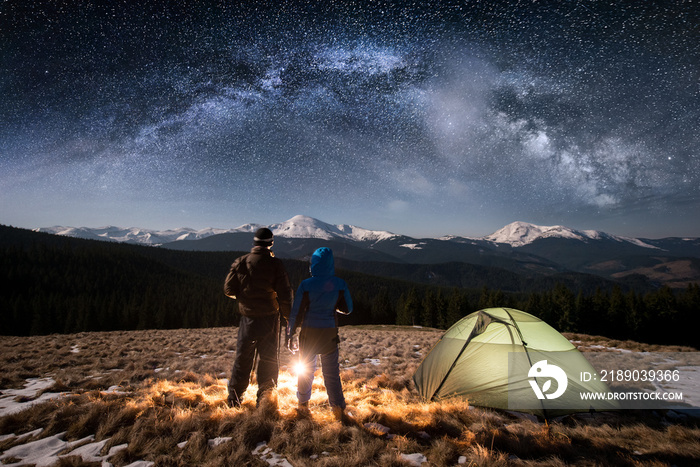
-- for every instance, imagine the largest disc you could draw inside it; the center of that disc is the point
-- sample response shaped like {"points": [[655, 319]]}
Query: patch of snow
{"points": [[75, 349], [638, 242], [413, 246], [9, 404], [48, 451], [688, 384], [603, 347], [23, 436], [42, 452], [218, 441], [414, 459], [114, 390], [272, 458], [90, 452]]}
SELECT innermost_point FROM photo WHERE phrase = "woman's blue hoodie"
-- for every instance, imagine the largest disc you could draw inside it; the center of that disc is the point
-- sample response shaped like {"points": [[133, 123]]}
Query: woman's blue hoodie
{"points": [[320, 296]]}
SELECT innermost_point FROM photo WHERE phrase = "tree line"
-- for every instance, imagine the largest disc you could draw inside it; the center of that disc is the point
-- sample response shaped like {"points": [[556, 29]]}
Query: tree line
{"points": [[51, 284], [662, 315]]}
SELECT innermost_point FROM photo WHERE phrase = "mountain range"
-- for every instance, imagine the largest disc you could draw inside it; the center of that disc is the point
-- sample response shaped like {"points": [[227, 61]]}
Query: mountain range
{"points": [[519, 247]]}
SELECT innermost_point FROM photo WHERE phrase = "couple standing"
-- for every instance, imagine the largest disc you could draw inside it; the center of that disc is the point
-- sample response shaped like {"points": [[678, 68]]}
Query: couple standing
{"points": [[260, 283]]}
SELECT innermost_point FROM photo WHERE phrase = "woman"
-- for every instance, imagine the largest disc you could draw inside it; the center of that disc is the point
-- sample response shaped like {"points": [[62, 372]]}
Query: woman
{"points": [[316, 302]]}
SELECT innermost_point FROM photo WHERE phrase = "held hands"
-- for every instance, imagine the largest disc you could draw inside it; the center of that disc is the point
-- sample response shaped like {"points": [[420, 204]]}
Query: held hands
{"points": [[293, 343]]}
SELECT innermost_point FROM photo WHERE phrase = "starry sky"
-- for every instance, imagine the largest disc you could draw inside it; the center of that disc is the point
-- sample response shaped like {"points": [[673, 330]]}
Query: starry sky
{"points": [[424, 118]]}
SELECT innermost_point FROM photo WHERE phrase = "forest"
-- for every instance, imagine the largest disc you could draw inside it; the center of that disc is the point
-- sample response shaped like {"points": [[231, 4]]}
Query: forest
{"points": [[51, 284]]}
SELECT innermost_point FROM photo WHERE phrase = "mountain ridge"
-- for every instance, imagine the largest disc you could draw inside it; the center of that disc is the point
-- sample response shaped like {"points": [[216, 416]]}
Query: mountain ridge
{"points": [[515, 234], [520, 247]]}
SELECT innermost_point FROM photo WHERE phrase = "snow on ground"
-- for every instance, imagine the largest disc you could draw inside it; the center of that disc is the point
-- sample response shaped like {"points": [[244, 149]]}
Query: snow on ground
{"points": [[687, 365], [603, 347], [688, 384], [218, 441], [366, 361], [261, 450], [48, 451], [15, 400], [269, 456], [414, 459], [30, 449]]}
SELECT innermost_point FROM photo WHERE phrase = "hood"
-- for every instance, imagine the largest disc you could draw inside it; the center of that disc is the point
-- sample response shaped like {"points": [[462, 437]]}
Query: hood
{"points": [[322, 263]]}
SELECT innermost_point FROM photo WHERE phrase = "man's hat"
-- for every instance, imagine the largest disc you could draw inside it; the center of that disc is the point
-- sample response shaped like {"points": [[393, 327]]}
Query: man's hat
{"points": [[263, 237]]}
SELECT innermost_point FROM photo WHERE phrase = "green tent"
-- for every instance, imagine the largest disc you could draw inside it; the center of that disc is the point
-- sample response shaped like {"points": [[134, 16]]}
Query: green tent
{"points": [[508, 359]]}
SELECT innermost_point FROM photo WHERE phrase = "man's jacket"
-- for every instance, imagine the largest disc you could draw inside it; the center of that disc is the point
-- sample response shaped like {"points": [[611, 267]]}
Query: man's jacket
{"points": [[260, 283], [320, 296]]}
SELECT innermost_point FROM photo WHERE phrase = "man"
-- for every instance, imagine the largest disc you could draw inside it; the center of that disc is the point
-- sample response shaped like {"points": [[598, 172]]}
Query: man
{"points": [[260, 283]]}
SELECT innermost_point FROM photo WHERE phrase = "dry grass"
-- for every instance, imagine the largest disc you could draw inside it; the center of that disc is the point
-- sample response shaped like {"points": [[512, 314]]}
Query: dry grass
{"points": [[172, 390]]}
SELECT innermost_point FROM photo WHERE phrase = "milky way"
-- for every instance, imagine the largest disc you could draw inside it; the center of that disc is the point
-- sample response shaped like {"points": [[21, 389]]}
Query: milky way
{"points": [[423, 118]]}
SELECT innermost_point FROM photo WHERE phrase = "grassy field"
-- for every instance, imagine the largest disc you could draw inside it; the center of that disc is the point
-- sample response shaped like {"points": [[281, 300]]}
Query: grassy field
{"points": [[159, 396]]}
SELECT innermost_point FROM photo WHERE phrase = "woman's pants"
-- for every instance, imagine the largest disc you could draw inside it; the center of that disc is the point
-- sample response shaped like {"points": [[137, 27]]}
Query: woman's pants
{"points": [[331, 378]]}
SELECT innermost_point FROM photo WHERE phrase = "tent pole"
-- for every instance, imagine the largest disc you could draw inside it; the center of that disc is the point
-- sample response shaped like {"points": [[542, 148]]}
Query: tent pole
{"points": [[476, 330], [544, 411]]}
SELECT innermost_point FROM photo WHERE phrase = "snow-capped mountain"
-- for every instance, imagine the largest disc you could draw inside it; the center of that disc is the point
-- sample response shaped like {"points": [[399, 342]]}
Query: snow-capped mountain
{"points": [[518, 234], [518, 247], [132, 234], [308, 227], [296, 227]]}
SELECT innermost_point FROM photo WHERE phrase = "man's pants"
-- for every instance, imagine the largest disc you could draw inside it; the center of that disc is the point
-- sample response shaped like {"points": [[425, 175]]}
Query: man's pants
{"points": [[331, 379], [261, 333]]}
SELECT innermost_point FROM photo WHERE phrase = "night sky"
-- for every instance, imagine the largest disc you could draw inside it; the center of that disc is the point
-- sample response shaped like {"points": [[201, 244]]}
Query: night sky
{"points": [[423, 118]]}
